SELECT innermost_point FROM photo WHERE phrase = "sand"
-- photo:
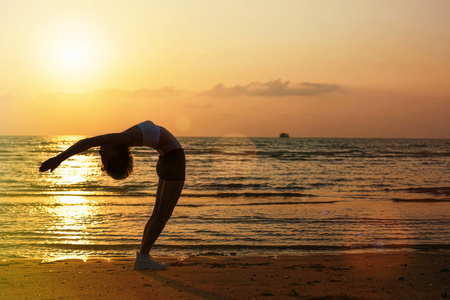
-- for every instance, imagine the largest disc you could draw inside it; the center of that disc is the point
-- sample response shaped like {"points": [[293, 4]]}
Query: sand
{"points": [[380, 275]]}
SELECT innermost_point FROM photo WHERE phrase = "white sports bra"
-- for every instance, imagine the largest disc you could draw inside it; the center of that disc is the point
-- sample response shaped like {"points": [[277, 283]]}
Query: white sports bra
{"points": [[158, 137], [150, 133]]}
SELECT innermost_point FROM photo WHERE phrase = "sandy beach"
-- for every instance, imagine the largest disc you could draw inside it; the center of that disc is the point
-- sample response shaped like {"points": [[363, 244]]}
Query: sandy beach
{"points": [[379, 275]]}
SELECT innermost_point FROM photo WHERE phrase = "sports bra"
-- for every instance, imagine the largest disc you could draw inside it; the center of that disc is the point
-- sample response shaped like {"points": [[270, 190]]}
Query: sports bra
{"points": [[150, 134]]}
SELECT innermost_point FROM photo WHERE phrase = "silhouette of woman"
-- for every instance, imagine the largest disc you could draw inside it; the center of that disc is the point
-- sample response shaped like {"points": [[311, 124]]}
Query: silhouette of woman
{"points": [[118, 163]]}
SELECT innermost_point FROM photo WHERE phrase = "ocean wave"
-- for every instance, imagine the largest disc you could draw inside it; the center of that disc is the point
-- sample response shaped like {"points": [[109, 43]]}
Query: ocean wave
{"points": [[276, 248], [260, 194], [130, 194], [425, 190], [280, 203], [303, 155], [317, 155], [236, 186], [220, 248], [421, 200]]}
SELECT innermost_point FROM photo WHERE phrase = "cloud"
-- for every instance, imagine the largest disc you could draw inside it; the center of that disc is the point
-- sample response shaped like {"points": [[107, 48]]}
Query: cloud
{"points": [[273, 88], [116, 94], [192, 105], [144, 93]]}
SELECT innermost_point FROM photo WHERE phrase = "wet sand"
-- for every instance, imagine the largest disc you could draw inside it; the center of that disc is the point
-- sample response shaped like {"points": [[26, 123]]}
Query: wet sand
{"points": [[379, 275]]}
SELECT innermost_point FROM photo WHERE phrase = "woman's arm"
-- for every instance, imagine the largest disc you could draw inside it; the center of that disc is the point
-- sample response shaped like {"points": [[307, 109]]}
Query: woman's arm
{"points": [[129, 138], [78, 147], [54, 162]]}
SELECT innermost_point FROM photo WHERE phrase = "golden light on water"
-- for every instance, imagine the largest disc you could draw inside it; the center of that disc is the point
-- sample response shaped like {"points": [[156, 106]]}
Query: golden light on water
{"points": [[72, 223], [77, 170], [64, 257], [71, 217], [71, 200]]}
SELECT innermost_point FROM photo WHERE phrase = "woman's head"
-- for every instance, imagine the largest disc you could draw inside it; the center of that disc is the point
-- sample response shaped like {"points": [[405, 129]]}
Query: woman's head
{"points": [[117, 161]]}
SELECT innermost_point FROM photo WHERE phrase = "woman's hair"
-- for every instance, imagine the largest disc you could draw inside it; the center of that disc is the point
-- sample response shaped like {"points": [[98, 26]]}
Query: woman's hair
{"points": [[120, 166]]}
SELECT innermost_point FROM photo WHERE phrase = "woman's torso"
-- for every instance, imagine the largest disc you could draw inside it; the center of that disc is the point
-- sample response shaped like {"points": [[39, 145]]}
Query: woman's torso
{"points": [[157, 137]]}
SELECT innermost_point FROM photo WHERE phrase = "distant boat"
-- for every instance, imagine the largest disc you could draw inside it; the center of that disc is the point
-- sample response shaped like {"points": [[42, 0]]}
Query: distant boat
{"points": [[284, 135]]}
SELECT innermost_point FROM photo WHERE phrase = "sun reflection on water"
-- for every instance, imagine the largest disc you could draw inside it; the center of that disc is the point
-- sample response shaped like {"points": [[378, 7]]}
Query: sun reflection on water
{"points": [[72, 216], [71, 200], [71, 219], [79, 171], [76, 170]]}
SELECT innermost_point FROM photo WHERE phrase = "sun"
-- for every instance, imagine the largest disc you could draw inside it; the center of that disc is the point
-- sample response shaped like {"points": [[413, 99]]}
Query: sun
{"points": [[75, 55], [73, 50]]}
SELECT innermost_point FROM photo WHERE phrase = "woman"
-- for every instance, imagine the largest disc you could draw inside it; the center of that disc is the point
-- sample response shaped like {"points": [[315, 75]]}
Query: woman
{"points": [[118, 163]]}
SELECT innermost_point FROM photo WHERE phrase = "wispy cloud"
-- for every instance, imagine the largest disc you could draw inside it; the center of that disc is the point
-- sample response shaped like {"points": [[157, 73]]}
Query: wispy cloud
{"points": [[273, 88], [117, 93]]}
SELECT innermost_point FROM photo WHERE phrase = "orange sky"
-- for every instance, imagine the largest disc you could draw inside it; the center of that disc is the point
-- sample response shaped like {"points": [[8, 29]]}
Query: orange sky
{"points": [[338, 68]]}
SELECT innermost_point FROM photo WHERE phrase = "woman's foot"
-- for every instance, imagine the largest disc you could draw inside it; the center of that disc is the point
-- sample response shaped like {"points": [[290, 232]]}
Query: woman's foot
{"points": [[145, 261]]}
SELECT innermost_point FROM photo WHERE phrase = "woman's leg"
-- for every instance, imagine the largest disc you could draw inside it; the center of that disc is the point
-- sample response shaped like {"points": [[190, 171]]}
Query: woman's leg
{"points": [[167, 197], [155, 207]]}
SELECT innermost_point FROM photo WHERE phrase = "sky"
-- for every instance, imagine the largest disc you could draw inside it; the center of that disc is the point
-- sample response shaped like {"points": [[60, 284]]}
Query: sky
{"points": [[311, 68]]}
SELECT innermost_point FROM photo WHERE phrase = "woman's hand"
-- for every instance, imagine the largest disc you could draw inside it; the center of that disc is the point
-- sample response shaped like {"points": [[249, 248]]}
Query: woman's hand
{"points": [[50, 164]]}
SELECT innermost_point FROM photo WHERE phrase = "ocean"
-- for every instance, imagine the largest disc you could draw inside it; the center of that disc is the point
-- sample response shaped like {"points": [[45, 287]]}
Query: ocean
{"points": [[257, 196]]}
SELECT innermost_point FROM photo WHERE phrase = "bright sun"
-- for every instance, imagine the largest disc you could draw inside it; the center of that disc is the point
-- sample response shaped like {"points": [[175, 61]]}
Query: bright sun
{"points": [[75, 56], [73, 49]]}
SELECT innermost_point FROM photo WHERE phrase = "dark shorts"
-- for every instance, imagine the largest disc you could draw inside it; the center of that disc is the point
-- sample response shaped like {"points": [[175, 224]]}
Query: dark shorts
{"points": [[172, 165]]}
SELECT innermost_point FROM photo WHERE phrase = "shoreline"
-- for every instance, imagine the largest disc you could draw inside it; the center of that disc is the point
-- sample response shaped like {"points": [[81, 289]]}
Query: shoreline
{"points": [[232, 251], [374, 275]]}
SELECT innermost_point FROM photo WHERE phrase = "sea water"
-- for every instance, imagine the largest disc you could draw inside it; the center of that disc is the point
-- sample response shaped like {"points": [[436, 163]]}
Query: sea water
{"points": [[241, 196]]}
